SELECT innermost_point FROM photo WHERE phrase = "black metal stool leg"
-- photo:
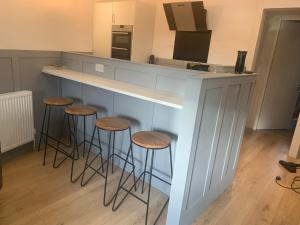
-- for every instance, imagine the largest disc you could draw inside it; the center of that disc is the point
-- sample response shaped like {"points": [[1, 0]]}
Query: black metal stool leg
{"points": [[143, 185], [113, 152], [59, 140], [149, 189], [70, 130], [100, 146], [42, 130], [132, 160], [84, 122], [114, 208], [106, 172], [47, 133], [87, 157], [75, 148], [75, 124]]}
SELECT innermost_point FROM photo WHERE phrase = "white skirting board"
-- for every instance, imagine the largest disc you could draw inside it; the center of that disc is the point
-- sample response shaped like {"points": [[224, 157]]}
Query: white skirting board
{"points": [[16, 119]]}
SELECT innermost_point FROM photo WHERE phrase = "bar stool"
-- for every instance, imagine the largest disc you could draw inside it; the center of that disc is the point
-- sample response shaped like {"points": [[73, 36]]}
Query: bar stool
{"points": [[49, 103], [76, 111], [111, 125], [149, 140]]}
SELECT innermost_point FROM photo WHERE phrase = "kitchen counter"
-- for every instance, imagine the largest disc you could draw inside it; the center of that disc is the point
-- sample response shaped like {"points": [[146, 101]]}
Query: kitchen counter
{"points": [[148, 94], [205, 113]]}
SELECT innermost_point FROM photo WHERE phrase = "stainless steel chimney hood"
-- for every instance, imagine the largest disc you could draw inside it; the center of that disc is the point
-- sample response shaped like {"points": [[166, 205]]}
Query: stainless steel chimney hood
{"points": [[186, 16]]}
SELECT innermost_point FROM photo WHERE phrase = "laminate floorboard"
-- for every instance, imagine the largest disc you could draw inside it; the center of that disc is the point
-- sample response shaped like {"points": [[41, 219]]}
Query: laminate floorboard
{"points": [[40, 195]]}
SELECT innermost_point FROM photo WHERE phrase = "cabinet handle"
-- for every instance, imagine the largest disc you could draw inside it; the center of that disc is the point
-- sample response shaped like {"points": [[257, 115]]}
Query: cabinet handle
{"points": [[120, 32], [122, 49]]}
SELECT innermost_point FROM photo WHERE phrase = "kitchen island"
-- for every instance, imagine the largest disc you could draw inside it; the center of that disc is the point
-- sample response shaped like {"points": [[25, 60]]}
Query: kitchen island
{"points": [[205, 113]]}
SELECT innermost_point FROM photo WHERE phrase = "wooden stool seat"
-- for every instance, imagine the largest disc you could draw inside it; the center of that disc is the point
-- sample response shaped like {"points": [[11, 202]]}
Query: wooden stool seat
{"points": [[80, 110], [57, 101], [151, 139], [112, 123]]}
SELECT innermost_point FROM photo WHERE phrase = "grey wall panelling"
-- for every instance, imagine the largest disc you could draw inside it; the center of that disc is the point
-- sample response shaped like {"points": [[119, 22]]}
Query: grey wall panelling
{"points": [[21, 70], [6, 75]]}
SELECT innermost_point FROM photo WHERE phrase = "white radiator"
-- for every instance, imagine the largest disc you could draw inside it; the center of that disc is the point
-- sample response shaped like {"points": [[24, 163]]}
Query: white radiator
{"points": [[16, 119]]}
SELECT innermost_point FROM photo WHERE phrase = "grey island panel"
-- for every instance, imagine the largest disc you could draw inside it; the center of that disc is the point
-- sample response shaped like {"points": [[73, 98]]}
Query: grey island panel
{"points": [[206, 133], [218, 131]]}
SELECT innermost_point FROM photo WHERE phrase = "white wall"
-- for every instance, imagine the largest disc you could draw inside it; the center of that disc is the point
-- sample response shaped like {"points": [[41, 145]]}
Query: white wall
{"points": [[102, 29], [46, 24], [143, 30], [235, 25]]}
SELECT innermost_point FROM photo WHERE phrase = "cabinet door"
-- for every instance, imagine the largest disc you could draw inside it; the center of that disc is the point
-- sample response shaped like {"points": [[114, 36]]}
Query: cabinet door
{"points": [[102, 29], [124, 12]]}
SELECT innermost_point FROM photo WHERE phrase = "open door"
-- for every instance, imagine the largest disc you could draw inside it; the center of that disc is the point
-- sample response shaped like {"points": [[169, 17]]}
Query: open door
{"points": [[283, 81]]}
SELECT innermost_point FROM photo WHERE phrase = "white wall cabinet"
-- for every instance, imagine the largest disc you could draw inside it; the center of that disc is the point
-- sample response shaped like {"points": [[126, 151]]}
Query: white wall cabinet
{"points": [[123, 12], [139, 13]]}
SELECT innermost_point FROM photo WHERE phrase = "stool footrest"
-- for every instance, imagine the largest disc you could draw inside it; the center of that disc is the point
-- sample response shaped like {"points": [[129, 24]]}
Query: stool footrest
{"points": [[137, 197], [96, 171], [61, 151], [87, 141], [55, 139], [130, 189]]}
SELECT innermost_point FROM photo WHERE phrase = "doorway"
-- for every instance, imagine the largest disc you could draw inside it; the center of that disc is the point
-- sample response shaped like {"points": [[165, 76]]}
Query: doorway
{"points": [[278, 66], [283, 82]]}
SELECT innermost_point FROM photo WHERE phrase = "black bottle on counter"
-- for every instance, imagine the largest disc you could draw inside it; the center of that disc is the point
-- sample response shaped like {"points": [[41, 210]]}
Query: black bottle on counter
{"points": [[152, 59], [240, 62]]}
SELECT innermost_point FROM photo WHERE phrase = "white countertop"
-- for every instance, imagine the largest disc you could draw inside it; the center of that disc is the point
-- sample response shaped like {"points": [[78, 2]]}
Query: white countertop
{"points": [[148, 94]]}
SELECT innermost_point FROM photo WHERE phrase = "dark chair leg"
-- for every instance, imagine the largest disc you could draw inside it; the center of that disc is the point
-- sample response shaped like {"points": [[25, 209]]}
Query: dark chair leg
{"points": [[42, 130], [149, 189], [120, 181], [106, 172], [75, 127], [84, 122], [87, 158], [59, 140], [47, 132], [75, 148], [99, 140], [132, 159], [145, 170], [70, 130], [113, 152]]}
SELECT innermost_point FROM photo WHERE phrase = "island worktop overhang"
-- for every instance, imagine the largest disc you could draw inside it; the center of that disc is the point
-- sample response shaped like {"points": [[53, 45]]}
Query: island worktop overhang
{"points": [[147, 94]]}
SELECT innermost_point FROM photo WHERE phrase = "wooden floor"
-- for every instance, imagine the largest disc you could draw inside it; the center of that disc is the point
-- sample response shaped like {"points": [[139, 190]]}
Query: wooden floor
{"points": [[37, 195]]}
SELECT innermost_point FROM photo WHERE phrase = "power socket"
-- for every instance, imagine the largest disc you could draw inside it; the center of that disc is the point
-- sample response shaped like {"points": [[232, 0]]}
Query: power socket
{"points": [[99, 68]]}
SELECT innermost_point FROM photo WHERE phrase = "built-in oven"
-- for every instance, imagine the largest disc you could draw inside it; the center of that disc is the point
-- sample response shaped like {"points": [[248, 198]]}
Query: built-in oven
{"points": [[121, 41]]}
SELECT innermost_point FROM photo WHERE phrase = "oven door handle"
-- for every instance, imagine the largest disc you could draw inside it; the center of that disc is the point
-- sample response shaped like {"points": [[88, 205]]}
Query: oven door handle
{"points": [[122, 49], [119, 32]]}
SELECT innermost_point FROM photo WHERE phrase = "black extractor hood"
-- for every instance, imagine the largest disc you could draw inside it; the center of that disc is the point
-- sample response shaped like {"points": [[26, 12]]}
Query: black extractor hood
{"points": [[186, 16]]}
